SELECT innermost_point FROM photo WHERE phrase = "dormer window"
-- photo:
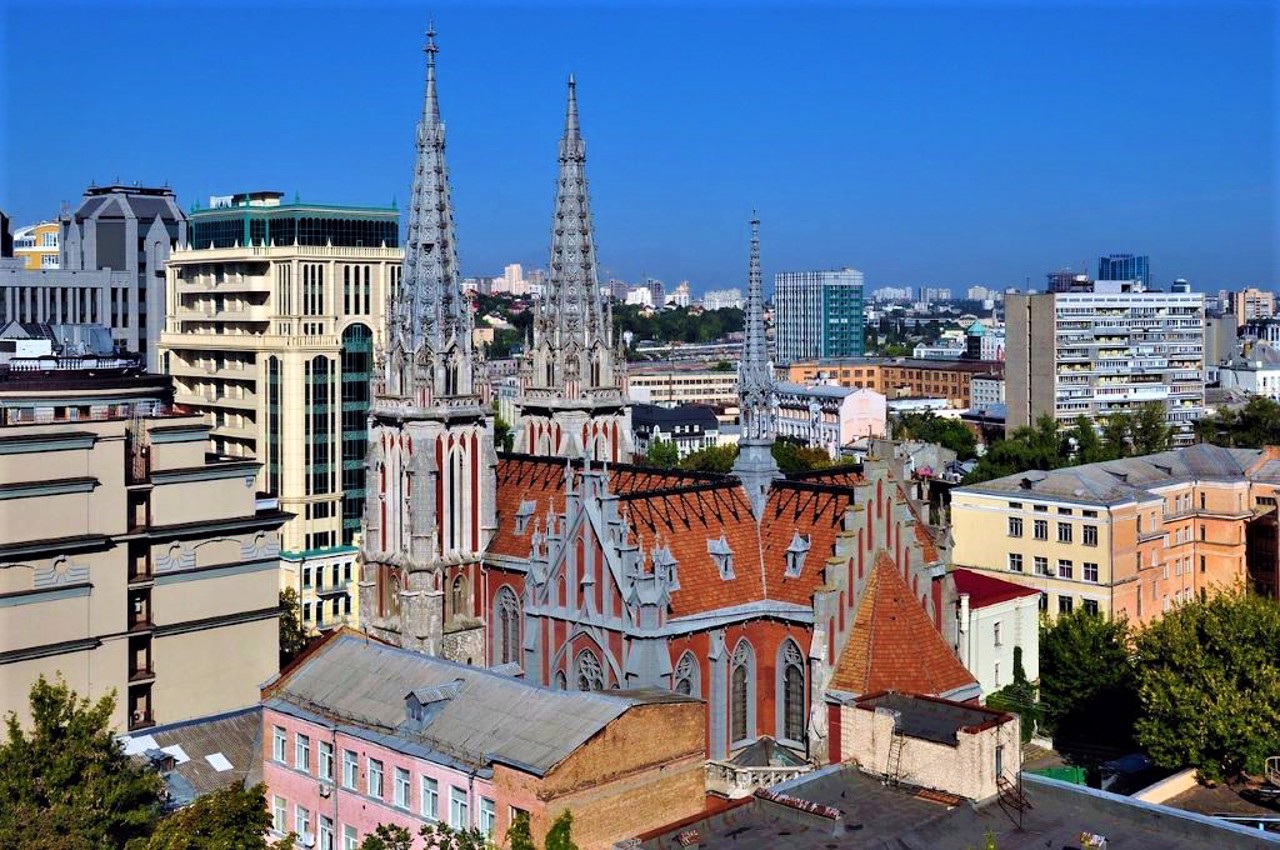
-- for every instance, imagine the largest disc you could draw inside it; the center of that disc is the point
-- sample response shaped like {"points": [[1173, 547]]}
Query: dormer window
{"points": [[527, 507], [722, 554], [664, 567], [795, 554]]}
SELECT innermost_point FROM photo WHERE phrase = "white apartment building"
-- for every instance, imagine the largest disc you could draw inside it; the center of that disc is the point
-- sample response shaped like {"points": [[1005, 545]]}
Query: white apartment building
{"points": [[985, 391], [828, 417], [722, 299], [1111, 350]]}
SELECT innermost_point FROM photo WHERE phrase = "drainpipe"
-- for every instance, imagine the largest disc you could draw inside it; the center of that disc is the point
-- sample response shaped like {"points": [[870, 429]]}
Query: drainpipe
{"points": [[333, 782]]}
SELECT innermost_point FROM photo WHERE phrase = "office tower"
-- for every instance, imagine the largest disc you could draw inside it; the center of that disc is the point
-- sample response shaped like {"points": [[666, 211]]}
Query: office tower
{"points": [[273, 310], [657, 291], [573, 400], [1125, 267], [134, 561], [818, 314], [1096, 353], [130, 229]]}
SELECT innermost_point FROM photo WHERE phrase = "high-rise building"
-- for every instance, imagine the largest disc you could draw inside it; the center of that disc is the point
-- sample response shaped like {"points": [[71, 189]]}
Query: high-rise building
{"points": [[573, 386], [1181, 285], [1097, 353], [680, 295], [818, 314], [1067, 280], [722, 299], [1125, 267], [273, 309], [1248, 304], [130, 229]]}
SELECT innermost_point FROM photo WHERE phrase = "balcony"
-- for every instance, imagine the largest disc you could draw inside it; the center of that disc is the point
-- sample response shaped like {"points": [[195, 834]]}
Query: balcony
{"points": [[138, 674], [141, 719]]}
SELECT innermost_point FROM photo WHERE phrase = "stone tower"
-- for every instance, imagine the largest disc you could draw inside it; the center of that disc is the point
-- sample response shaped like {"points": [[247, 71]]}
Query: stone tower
{"points": [[572, 381], [755, 465], [431, 463]]}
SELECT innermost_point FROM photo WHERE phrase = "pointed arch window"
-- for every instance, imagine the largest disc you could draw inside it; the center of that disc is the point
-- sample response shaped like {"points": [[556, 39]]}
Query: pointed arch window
{"points": [[590, 675], [791, 691], [741, 680], [687, 676], [458, 596], [562, 681], [507, 618]]}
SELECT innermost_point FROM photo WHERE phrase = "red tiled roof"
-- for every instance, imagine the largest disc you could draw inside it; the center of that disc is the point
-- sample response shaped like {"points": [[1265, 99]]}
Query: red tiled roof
{"points": [[893, 645], [987, 590]]}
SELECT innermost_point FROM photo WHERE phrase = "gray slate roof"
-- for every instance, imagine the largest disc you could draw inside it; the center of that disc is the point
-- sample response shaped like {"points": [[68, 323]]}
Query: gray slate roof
{"points": [[490, 718], [210, 752], [1115, 482]]}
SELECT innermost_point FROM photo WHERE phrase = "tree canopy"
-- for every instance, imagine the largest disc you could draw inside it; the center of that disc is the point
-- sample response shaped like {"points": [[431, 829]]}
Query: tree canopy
{"points": [[662, 453], [929, 428], [293, 635], [1209, 684], [711, 459], [1256, 425], [233, 818], [1087, 674], [68, 784]]}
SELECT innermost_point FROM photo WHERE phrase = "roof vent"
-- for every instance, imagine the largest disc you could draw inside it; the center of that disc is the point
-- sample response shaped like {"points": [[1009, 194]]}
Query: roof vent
{"points": [[722, 554]]}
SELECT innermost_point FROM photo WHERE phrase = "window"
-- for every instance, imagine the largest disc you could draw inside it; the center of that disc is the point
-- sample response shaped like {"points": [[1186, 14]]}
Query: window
{"points": [[457, 808], [488, 816], [740, 692], [1090, 514], [302, 821], [791, 683], [1015, 506], [1202, 563], [1040, 509], [590, 676], [277, 744], [1065, 568], [326, 833], [350, 838], [1015, 562], [1091, 535], [1090, 571], [1015, 526], [430, 802], [326, 761], [995, 633], [1064, 604], [1091, 605], [996, 670], [302, 753], [306, 576], [1041, 529], [1042, 566], [508, 619], [1064, 532], [1044, 603], [687, 676], [401, 789], [1202, 532], [279, 815], [350, 769]]}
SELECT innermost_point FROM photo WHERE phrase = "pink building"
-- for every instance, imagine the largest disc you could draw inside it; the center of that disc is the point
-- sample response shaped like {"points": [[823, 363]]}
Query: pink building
{"points": [[358, 733]]}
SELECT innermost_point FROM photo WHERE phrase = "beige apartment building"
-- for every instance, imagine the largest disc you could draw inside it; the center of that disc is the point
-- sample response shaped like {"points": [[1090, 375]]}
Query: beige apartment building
{"points": [[272, 313], [130, 560], [896, 377], [676, 384], [1132, 537]]}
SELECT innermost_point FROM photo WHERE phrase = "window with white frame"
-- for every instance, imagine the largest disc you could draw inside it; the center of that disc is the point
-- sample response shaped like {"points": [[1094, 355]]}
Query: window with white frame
{"points": [[1065, 568], [429, 804], [302, 752], [1042, 566], [488, 816], [350, 769], [1091, 535], [1015, 562], [995, 633], [402, 788], [1090, 571], [1040, 528], [350, 838], [302, 821], [278, 740], [326, 761], [326, 833], [375, 778], [279, 815], [458, 808], [1015, 526]]}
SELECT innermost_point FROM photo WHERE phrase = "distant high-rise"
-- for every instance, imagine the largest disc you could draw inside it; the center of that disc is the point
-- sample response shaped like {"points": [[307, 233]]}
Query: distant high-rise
{"points": [[1180, 285], [722, 299], [818, 314], [1125, 267], [1067, 280]]}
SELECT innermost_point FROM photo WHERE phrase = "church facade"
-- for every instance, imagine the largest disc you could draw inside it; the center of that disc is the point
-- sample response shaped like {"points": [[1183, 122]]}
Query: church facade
{"points": [[770, 598]]}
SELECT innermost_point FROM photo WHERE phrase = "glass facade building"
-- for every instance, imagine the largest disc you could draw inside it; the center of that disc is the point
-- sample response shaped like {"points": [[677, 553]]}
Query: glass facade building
{"points": [[261, 220], [1125, 267], [818, 314]]}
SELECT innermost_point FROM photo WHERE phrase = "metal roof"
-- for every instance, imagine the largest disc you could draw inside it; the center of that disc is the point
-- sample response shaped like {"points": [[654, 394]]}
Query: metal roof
{"points": [[490, 718], [209, 753]]}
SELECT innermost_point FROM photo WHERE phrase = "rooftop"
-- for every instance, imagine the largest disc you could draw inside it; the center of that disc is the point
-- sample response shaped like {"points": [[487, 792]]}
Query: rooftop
{"points": [[937, 720], [652, 415], [985, 590], [208, 753]]}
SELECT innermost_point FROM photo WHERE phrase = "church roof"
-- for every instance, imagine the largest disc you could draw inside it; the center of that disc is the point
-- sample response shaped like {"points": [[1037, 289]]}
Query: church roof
{"points": [[893, 645]]}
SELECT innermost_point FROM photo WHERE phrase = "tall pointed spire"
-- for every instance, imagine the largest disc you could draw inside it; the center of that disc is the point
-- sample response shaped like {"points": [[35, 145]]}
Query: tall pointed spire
{"points": [[431, 324], [755, 464]]}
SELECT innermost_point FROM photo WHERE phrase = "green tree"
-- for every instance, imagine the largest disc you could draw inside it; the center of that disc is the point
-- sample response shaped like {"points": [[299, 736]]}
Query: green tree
{"points": [[293, 636], [503, 437], [1041, 447], [519, 834], [68, 784], [388, 836], [1088, 446], [662, 453], [441, 836], [792, 456], [559, 836], [1255, 425], [234, 818], [1086, 674], [931, 428], [711, 459], [1209, 685], [1149, 432], [1115, 435], [1018, 697]]}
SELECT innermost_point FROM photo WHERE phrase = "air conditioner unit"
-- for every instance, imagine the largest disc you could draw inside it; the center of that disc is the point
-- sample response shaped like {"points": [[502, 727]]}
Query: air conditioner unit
{"points": [[325, 790], [139, 717], [1051, 570], [308, 840]]}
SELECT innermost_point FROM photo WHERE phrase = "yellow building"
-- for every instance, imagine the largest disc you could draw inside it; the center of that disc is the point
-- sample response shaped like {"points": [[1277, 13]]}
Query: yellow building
{"points": [[37, 245], [272, 313], [129, 559], [1131, 537]]}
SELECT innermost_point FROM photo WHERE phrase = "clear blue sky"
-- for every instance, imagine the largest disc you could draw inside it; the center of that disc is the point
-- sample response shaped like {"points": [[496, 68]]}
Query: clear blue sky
{"points": [[945, 144]]}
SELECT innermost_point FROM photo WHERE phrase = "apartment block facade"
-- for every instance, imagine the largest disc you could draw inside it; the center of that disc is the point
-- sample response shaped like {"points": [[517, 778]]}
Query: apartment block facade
{"points": [[895, 378], [1108, 351], [130, 560], [1131, 537], [674, 385], [818, 314], [271, 335]]}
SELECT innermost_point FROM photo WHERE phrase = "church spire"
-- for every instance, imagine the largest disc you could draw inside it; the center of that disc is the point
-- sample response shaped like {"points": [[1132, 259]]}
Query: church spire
{"points": [[429, 332], [755, 464]]}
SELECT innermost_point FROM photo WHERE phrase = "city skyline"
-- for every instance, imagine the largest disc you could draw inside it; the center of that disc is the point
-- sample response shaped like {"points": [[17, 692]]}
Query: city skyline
{"points": [[862, 134]]}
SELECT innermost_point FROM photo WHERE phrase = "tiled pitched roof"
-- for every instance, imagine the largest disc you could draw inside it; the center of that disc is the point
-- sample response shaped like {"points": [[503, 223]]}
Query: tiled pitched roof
{"points": [[893, 645], [984, 590]]}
